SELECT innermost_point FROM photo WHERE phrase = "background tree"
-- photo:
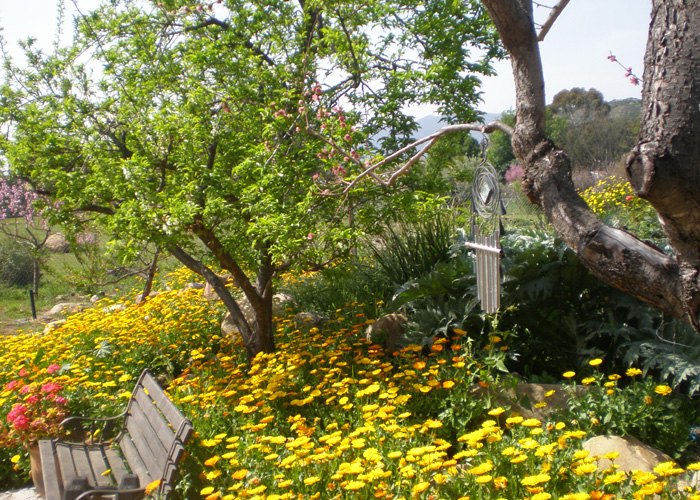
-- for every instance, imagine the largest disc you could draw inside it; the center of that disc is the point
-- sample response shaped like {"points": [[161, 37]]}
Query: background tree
{"points": [[23, 225], [193, 135]]}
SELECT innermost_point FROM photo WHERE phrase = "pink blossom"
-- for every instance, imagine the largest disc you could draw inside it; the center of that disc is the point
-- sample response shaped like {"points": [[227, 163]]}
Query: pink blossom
{"points": [[52, 368], [310, 236], [629, 198], [22, 372], [50, 387], [21, 422], [32, 399]]}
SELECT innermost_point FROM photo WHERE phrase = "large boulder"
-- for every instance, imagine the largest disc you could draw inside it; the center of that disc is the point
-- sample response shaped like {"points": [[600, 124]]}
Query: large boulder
{"points": [[634, 455], [279, 305], [308, 320], [388, 329], [58, 243], [65, 308], [209, 292]]}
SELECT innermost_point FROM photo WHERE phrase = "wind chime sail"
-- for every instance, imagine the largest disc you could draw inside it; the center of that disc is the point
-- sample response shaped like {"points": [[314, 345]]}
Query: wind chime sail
{"points": [[486, 223]]}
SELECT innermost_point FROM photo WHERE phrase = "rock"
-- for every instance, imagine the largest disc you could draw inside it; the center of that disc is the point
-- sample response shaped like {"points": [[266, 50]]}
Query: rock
{"points": [[95, 298], [58, 243], [527, 396], [64, 308], [279, 303], [114, 308], [139, 298], [53, 325], [195, 285], [209, 292], [307, 320], [391, 325], [634, 455], [229, 329]]}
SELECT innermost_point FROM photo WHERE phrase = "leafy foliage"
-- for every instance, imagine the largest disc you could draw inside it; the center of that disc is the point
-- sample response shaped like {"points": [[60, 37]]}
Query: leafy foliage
{"points": [[16, 264], [196, 134]]}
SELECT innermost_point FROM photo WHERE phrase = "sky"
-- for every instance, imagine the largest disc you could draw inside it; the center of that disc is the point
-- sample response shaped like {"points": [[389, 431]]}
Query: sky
{"points": [[574, 53]]}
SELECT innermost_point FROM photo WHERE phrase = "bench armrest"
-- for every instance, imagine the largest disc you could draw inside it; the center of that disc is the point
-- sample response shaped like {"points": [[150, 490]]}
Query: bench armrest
{"points": [[105, 491], [90, 430]]}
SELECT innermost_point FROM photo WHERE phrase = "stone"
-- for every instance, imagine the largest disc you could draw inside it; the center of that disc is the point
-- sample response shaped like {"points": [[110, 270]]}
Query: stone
{"points": [[279, 304], [114, 308], [195, 285], [53, 325], [209, 292], [64, 308], [634, 455], [58, 243], [392, 326], [139, 298], [526, 396], [308, 320]]}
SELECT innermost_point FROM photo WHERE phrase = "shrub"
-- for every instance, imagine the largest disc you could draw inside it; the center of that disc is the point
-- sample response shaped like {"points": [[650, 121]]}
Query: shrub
{"points": [[16, 264]]}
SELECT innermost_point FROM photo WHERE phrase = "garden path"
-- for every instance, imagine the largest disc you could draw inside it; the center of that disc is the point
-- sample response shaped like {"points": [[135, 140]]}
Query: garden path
{"points": [[23, 494]]}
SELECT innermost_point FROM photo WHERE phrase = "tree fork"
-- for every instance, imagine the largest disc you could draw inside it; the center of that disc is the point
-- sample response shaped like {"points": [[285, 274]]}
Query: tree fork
{"points": [[613, 255]]}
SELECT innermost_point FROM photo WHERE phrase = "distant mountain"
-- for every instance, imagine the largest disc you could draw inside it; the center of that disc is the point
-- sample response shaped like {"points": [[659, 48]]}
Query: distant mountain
{"points": [[432, 123], [626, 108]]}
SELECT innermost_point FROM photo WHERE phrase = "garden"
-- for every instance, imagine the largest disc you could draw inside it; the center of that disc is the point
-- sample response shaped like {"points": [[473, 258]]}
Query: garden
{"points": [[330, 414]]}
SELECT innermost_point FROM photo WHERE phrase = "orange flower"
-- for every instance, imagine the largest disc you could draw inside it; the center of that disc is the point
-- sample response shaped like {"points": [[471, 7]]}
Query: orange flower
{"points": [[437, 347], [448, 384], [240, 474]]}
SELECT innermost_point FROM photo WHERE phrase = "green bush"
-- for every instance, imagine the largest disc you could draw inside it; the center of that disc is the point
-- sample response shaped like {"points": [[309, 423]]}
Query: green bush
{"points": [[16, 264]]}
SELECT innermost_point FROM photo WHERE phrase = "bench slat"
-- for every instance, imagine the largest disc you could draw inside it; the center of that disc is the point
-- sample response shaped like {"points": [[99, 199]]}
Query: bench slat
{"points": [[159, 436], [116, 463], [52, 484], [134, 460], [99, 466], [143, 437], [167, 407]]}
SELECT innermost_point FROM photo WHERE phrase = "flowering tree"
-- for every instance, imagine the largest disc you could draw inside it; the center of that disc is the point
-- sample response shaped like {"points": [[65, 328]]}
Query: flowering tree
{"points": [[195, 136], [22, 222]]}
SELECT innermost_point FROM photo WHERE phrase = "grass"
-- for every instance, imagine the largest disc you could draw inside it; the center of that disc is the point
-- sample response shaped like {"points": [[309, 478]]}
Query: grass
{"points": [[329, 415]]}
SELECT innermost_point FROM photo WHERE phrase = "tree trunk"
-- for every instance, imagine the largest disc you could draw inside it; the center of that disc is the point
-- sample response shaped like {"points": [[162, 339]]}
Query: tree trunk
{"points": [[663, 168]]}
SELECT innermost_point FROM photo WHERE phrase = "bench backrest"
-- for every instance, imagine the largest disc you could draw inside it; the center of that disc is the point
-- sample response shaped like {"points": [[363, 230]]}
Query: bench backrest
{"points": [[156, 433]]}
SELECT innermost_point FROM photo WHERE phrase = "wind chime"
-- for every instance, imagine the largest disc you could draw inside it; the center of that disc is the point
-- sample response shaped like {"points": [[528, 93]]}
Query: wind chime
{"points": [[486, 231]]}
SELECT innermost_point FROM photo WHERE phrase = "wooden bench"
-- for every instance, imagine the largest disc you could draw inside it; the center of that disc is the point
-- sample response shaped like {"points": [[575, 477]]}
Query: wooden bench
{"points": [[117, 457]]}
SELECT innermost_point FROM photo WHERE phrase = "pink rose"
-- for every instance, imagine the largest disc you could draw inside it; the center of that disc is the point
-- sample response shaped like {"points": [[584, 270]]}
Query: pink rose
{"points": [[52, 369]]}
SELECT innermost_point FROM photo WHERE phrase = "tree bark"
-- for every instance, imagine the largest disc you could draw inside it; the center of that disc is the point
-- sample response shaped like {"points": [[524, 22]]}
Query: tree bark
{"points": [[663, 169]]}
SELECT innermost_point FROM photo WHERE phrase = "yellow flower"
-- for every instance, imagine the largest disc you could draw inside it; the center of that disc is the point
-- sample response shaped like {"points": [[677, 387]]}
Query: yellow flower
{"points": [[210, 462], [575, 496], [535, 480], [615, 478], [595, 362], [354, 485], [496, 411], [482, 468], [484, 479], [667, 469], [422, 486], [569, 374], [664, 390], [633, 372], [541, 496], [585, 469], [311, 480], [207, 491]]}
